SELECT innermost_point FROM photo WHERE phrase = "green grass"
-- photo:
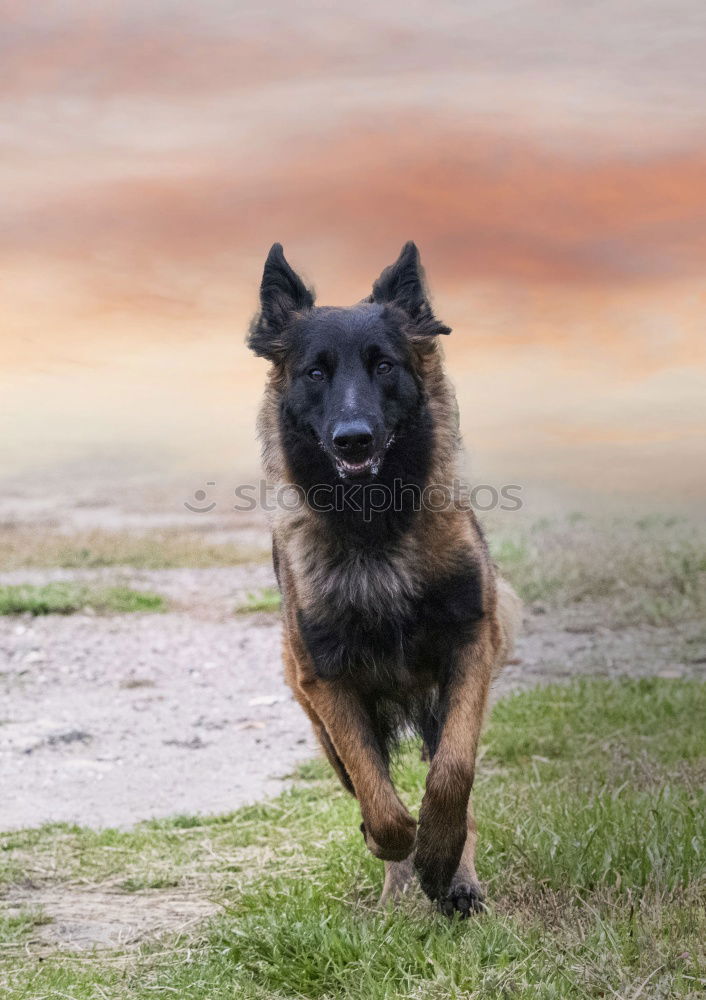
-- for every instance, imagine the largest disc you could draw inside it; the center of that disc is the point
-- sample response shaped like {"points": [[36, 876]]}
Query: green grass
{"points": [[268, 599], [70, 598], [591, 811], [15, 927], [625, 571]]}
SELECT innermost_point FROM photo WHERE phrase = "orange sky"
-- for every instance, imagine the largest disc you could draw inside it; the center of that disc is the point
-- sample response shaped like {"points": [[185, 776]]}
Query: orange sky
{"points": [[550, 161]]}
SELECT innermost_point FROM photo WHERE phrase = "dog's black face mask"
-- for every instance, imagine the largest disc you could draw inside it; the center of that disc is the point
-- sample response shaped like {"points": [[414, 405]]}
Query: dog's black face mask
{"points": [[350, 385], [352, 404]]}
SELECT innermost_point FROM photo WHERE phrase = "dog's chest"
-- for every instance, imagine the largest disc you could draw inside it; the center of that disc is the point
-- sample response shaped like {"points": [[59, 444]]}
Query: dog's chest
{"points": [[376, 587], [385, 623]]}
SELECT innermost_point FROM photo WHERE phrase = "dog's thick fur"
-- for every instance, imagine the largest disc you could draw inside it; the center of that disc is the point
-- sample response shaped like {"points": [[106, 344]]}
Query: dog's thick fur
{"points": [[393, 619]]}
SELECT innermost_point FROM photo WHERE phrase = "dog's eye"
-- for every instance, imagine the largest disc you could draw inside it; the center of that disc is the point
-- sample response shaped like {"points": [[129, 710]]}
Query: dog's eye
{"points": [[384, 367], [316, 374]]}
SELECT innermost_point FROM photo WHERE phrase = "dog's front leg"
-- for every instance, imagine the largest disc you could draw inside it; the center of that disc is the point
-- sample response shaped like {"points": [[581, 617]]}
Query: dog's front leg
{"points": [[443, 822], [388, 828]]}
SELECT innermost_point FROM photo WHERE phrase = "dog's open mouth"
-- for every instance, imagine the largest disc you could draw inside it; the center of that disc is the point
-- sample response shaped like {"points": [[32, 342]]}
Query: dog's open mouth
{"points": [[367, 467], [370, 466]]}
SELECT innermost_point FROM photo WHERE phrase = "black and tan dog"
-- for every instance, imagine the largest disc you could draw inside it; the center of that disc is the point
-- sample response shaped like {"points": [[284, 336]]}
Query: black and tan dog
{"points": [[394, 618]]}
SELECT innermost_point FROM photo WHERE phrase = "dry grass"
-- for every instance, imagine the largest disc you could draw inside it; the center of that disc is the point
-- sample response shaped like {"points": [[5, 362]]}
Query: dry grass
{"points": [[23, 547], [642, 571], [617, 572]]}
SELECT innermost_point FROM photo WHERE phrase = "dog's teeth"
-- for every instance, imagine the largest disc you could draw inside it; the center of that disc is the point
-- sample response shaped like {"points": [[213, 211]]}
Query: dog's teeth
{"points": [[355, 468]]}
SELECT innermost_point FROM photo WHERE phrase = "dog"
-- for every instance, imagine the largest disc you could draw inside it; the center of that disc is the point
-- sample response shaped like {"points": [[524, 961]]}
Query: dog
{"points": [[395, 619]]}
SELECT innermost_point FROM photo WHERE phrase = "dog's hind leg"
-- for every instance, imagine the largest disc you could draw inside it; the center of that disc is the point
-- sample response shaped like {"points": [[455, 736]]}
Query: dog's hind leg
{"points": [[398, 877], [509, 612]]}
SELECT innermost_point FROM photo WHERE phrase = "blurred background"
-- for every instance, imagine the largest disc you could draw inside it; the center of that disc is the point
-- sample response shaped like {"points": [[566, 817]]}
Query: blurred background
{"points": [[548, 158]]}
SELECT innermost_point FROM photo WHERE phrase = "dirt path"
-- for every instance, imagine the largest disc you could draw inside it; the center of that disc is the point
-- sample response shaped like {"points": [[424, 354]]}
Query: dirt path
{"points": [[110, 720]]}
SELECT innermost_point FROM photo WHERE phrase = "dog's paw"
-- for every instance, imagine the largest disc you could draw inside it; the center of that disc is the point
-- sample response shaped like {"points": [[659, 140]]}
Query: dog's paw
{"points": [[463, 898], [392, 841]]}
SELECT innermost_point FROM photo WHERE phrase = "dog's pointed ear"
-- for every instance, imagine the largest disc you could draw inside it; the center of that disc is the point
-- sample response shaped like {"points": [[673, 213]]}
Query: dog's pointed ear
{"points": [[403, 285], [282, 293]]}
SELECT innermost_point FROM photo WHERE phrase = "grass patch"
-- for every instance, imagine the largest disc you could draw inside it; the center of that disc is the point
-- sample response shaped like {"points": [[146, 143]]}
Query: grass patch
{"points": [[70, 598], [591, 811], [268, 599], [22, 547], [650, 570], [15, 927]]}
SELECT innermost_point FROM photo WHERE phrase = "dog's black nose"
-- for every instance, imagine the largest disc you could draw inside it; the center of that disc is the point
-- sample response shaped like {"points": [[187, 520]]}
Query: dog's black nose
{"points": [[352, 436]]}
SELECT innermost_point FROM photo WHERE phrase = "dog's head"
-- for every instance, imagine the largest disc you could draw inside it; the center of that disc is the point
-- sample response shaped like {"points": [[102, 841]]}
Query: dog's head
{"points": [[349, 378]]}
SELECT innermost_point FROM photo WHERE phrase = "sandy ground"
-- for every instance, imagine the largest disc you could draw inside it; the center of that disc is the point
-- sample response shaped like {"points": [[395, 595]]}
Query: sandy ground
{"points": [[111, 720]]}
